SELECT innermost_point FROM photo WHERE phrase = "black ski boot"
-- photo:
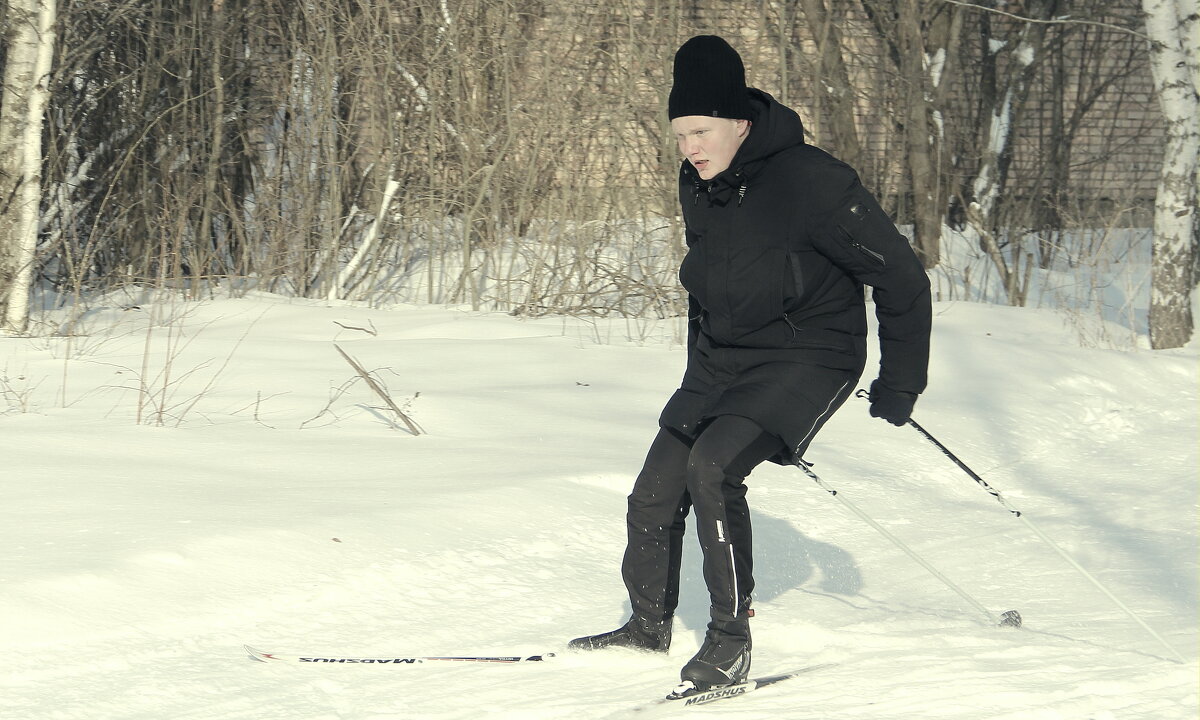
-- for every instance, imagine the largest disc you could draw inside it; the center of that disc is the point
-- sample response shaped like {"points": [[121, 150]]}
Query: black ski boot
{"points": [[638, 634], [724, 658]]}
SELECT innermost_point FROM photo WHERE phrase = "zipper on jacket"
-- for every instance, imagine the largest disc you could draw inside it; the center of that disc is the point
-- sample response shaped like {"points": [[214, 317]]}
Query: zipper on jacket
{"points": [[796, 330], [877, 257], [742, 185], [792, 325]]}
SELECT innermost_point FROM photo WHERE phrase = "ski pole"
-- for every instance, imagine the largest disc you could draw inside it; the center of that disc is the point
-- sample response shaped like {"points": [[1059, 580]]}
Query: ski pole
{"points": [[1009, 619], [1037, 531]]}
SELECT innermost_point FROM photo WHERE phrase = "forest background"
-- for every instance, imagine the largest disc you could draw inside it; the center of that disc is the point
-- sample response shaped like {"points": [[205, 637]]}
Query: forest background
{"points": [[515, 155]]}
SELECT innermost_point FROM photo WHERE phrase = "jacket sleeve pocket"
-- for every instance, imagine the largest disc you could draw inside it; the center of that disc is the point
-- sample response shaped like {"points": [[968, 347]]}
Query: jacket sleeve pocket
{"points": [[862, 238]]}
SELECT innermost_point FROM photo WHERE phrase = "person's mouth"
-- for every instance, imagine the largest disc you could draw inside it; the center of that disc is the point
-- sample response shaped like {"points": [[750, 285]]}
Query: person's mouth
{"points": [[700, 164]]}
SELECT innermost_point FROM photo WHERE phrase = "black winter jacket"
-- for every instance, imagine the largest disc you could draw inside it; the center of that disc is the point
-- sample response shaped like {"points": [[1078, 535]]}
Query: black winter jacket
{"points": [[779, 248]]}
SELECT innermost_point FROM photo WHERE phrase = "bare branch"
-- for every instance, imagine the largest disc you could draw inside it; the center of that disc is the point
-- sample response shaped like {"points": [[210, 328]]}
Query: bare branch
{"points": [[368, 330], [358, 368], [1057, 21]]}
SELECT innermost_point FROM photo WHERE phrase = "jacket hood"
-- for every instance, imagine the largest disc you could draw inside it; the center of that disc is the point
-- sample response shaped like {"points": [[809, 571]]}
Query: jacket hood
{"points": [[774, 128]]}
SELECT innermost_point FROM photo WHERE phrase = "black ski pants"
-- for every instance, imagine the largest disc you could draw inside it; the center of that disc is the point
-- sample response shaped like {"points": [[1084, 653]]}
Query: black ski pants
{"points": [[707, 474]]}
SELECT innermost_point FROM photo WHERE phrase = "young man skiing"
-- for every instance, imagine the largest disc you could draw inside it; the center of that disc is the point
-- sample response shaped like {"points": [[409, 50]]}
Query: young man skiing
{"points": [[781, 238]]}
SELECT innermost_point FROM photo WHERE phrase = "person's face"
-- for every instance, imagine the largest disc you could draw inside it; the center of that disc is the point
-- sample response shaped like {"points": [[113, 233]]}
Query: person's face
{"points": [[709, 143]]}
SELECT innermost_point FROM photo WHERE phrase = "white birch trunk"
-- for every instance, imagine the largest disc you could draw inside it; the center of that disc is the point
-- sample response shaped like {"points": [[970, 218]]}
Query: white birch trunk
{"points": [[30, 41], [1172, 40], [991, 180], [988, 183], [986, 187], [1190, 14], [369, 242]]}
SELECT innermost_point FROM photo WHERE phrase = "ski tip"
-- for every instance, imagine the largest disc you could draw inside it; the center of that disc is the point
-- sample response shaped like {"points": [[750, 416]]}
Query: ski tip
{"points": [[258, 655]]}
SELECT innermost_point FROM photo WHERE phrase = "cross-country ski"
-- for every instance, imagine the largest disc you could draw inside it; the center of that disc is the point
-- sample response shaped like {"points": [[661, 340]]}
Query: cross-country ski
{"points": [[701, 697], [689, 695], [391, 659]]}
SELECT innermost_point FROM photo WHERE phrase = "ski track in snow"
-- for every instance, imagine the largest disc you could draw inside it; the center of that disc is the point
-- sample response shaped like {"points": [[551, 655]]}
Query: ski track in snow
{"points": [[139, 559]]}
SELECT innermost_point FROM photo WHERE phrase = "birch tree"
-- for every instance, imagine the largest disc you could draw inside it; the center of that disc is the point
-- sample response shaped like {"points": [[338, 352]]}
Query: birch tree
{"points": [[921, 37], [1004, 99], [1172, 28], [29, 42]]}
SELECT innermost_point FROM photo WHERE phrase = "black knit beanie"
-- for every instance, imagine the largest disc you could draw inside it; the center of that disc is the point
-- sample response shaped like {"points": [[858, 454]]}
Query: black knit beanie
{"points": [[710, 80]]}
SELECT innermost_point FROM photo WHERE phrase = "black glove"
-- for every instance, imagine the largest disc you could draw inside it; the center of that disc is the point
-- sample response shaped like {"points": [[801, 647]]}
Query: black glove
{"points": [[895, 406]]}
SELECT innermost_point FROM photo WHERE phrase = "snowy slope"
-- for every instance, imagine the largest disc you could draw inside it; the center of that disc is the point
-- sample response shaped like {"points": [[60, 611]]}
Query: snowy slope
{"points": [[272, 504]]}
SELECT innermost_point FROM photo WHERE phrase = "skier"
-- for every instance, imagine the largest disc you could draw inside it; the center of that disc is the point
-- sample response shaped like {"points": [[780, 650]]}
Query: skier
{"points": [[781, 238]]}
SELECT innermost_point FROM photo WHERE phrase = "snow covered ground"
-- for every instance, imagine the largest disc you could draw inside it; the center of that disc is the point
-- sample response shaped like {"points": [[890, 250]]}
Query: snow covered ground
{"points": [[263, 500]]}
